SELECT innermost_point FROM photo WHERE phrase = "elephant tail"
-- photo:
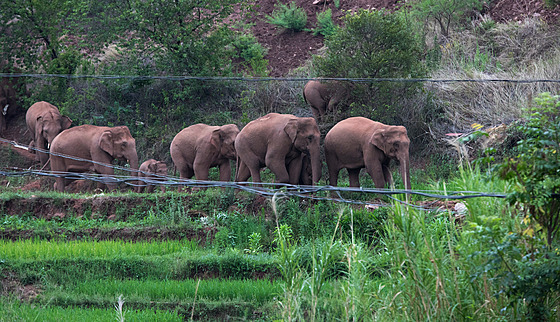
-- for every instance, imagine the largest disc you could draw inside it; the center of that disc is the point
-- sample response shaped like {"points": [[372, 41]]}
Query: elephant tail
{"points": [[237, 162], [305, 98]]}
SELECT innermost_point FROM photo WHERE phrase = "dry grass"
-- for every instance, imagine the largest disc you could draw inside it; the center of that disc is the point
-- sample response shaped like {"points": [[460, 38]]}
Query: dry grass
{"points": [[510, 51]]}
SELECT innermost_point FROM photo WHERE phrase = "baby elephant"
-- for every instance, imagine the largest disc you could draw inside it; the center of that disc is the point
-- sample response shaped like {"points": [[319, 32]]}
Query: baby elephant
{"points": [[151, 166]]}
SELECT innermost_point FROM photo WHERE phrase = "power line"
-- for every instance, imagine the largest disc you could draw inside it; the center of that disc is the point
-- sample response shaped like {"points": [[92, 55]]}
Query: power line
{"points": [[286, 79]]}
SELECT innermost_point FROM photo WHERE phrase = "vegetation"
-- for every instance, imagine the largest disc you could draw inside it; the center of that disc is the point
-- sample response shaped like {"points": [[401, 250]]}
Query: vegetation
{"points": [[288, 17], [215, 254], [446, 15], [325, 24]]}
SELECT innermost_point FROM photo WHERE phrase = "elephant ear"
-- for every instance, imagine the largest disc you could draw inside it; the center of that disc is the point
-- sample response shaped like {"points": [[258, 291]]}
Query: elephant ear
{"points": [[39, 126], [153, 167], [106, 142], [291, 129], [216, 139], [66, 122], [378, 139], [161, 167]]}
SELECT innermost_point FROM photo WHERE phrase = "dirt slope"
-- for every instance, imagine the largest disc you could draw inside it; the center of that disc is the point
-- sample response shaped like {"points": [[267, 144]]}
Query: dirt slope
{"points": [[288, 50]]}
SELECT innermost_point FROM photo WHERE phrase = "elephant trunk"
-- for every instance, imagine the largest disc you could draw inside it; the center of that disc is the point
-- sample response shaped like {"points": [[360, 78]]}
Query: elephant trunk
{"points": [[315, 156], [133, 161], [405, 171]]}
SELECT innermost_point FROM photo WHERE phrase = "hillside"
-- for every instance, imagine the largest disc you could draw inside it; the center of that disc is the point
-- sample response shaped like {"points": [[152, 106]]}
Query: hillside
{"points": [[287, 50]]}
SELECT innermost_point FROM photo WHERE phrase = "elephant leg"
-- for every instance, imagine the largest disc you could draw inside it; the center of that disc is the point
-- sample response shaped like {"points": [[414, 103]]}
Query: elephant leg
{"points": [[294, 170], [316, 113], [225, 171], [376, 172], [354, 177], [186, 172], [201, 171], [333, 176], [278, 167], [254, 166], [141, 185], [150, 188], [243, 172], [60, 184], [387, 175], [43, 158]]}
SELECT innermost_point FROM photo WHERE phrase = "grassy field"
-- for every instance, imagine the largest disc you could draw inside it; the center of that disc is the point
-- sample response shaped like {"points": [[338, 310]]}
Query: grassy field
{"points": [[291, 259]]}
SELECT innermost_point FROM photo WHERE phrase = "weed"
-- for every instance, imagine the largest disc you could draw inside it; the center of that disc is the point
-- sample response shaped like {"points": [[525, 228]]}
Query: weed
{"points": [[325, 24], [289, 16]]}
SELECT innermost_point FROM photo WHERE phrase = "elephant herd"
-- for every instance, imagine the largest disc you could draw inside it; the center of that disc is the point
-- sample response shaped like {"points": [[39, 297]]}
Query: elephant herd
{"points": [[289, 146]]}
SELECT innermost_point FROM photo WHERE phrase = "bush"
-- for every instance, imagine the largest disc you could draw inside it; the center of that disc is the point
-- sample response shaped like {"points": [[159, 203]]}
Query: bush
{"points": [[443, 13], [325, 24], [376, 44], [536, 168], [288, 17]]}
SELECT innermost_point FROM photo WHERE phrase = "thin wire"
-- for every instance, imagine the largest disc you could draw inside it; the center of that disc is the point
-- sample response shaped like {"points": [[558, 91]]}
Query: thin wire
{"points": [[288, 79]]}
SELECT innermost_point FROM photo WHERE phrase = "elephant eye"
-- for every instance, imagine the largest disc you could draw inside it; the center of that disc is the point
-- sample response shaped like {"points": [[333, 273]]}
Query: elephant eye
{"points": [[310, 138], [124, 144]]}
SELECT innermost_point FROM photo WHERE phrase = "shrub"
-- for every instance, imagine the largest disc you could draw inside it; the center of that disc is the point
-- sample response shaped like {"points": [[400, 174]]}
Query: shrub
{"points": [[445, 14], [325, 24], [536, 167], [251, 52], [376, 44], [288, 17]]}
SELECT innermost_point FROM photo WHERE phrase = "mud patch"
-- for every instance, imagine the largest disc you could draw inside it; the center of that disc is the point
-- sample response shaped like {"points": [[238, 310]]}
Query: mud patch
{"points": [[11, 286]]}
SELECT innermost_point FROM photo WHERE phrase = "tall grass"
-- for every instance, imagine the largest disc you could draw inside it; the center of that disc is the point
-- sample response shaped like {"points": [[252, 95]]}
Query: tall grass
{"points": [[425, 265], [431, 264]]}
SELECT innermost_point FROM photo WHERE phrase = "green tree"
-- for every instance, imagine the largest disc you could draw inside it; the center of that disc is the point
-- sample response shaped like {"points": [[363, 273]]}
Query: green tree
{"points": [[536, 167], [183, 36], [446, 14], [374, 44]]}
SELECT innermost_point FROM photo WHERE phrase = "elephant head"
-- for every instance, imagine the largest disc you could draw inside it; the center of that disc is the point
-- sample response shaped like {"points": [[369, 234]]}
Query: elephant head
{"points": [[50, 124], [394, 142], [158, 167], [305, 136], [119, 143], [223, 139]]}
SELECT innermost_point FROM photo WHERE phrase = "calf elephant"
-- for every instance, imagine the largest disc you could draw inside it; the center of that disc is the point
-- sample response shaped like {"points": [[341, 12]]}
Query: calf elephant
{"points": [[44, 123], [278, 141], [101, 144], [323, 97], [199, 147], [152, 169], [358, 142]]}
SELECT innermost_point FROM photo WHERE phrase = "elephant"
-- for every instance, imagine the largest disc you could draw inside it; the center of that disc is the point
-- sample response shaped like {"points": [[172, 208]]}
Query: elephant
{"points": [[45, 123], [277, 141], [323, 97], [101, 144], [358, 142], [199, 147], [9, 105], [159, 168]]}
